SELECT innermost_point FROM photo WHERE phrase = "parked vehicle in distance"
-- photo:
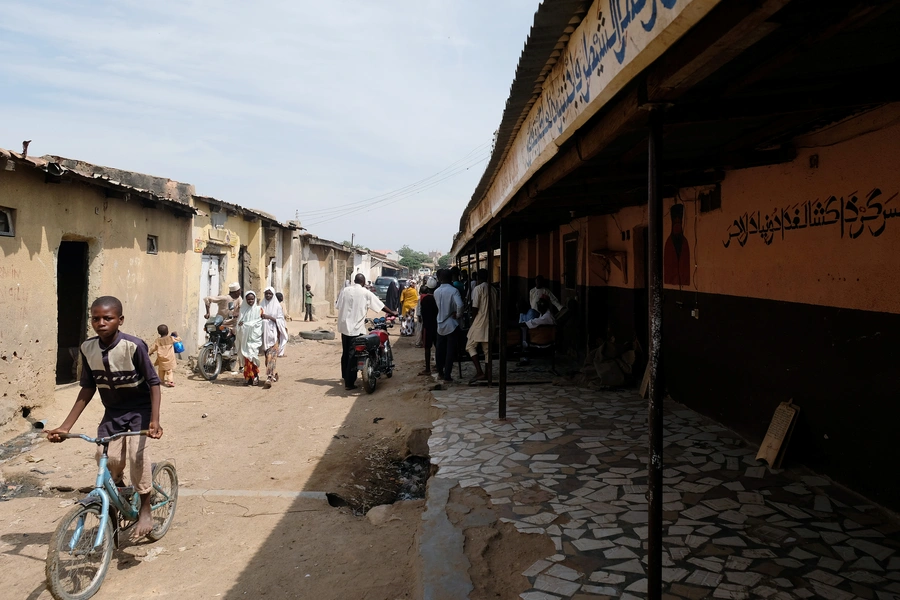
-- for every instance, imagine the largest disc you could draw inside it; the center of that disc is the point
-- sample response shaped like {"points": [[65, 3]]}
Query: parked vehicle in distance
{"points": [[382, 284]]}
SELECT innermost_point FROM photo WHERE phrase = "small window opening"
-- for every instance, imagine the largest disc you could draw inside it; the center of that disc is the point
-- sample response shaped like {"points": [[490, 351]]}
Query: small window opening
{"points": [[7, 222]]}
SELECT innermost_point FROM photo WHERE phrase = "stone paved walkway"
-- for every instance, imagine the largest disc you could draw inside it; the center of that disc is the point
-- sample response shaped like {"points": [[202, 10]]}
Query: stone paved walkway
{"points": [[571, 464]]}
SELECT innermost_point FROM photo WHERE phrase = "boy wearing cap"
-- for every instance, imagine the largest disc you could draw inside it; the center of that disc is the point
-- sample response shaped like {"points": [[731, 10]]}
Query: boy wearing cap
{"points": [[229, 307]]}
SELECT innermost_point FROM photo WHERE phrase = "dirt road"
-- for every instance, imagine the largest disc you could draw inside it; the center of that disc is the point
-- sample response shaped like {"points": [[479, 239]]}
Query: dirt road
{"points": [[243, 455]]}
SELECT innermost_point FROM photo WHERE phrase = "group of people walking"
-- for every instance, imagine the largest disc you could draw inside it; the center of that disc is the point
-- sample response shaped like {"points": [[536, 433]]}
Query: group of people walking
{"points": [[434, 315], [260, 327]]}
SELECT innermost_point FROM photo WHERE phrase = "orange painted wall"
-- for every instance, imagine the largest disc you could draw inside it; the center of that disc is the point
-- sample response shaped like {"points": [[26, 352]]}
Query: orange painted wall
{"points": [[843, 261]]}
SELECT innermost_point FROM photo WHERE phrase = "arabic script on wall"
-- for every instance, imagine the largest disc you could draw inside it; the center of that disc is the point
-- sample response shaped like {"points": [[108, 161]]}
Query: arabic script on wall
{"points": [[853, 214], [613, 28]]}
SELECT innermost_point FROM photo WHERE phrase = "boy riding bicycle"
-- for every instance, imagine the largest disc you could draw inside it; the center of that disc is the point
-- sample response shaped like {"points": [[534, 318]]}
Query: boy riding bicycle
{"points": [[119, 366]]}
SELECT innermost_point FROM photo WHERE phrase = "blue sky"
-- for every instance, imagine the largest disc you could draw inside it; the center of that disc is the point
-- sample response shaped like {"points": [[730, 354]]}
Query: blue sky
{"points": [[283, 106]]}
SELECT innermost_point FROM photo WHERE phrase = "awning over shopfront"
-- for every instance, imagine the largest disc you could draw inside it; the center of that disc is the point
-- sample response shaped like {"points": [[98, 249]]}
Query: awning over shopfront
{"points": [[738, 80]]}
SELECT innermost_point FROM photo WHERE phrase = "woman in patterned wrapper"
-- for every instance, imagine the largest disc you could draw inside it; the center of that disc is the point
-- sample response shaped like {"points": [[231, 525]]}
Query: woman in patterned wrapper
{"points": [[677, 252]]}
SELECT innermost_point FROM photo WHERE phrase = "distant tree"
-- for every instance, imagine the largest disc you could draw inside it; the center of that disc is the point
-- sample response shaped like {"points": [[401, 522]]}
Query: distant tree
{"points": [[411, 259], [350, 245], [444, 261]]}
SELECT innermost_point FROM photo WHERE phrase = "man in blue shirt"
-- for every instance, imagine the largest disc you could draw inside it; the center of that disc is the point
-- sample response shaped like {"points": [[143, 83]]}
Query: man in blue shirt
{"points": [[450, 305]]}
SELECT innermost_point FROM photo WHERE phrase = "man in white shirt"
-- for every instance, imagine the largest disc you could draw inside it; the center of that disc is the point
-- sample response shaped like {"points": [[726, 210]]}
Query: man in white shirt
{"points": [[353, 306], [545, 318], [449, 305], [484, 302], [540, 290]]}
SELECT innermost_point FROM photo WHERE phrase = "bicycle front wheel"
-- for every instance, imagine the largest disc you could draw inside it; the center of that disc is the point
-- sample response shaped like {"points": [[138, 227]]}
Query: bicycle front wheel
{"points": [[74, 569], [163, 499]]}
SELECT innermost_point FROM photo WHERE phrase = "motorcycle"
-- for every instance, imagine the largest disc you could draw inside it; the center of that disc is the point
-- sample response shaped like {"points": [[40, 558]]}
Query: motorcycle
{"points": [[219, 348], [373, 353]]}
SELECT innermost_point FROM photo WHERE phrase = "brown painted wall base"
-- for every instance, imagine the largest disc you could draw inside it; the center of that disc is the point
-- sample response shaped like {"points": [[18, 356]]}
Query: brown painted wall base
{"points": [[743, 356]]}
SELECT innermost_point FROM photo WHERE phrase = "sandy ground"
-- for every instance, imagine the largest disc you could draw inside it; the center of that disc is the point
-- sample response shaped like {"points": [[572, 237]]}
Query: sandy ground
{"points": [[305, 434]]}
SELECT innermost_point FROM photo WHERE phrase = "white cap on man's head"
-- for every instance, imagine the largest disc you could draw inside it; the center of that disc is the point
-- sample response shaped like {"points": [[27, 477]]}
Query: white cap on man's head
{"points": [[234, 287], [431, 283]]}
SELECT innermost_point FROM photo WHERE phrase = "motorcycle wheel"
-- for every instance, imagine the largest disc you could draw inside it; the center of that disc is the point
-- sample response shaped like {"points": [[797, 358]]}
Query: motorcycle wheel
{"points": [[368, 376], [389, 355], [210, 363]]}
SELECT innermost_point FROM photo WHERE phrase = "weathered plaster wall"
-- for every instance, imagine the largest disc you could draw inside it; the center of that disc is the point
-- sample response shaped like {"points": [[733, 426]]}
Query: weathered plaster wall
{"points": [[151, 287], [326, 272], [320, 276], [224, 242]]}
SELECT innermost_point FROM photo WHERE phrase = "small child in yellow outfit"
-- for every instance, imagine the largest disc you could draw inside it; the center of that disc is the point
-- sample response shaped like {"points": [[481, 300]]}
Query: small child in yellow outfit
{"points": [[164, 348]]}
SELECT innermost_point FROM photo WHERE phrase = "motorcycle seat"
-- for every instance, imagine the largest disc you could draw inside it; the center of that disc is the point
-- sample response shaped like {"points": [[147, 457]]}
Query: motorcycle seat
{"points": [[371, 341]]}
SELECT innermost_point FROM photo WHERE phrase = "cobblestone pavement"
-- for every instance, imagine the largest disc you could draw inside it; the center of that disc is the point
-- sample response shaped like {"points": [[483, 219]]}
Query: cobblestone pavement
{"points": [[570, 463]]}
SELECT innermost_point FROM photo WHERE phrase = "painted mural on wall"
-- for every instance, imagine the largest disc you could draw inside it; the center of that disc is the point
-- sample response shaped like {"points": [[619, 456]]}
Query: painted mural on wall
{"points": [[677, 251], [852, 215]]}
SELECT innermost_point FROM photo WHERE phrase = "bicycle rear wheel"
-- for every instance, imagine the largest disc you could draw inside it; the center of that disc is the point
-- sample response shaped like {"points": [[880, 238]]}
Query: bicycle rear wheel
{"points": [[163, 499], [74, 571]]}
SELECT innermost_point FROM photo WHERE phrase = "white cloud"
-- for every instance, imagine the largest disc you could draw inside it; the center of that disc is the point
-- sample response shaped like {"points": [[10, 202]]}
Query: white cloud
{"points": [[282, 105]]}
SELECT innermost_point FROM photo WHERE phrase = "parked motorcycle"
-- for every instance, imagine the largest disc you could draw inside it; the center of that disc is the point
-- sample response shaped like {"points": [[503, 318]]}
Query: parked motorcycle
{"points": [[218, 349], [373, 353]]}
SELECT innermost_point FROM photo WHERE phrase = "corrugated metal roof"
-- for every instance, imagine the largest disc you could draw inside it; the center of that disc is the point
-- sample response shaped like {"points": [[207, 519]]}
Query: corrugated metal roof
{"points": [[48, 165], [243, 210], [554, 21]]}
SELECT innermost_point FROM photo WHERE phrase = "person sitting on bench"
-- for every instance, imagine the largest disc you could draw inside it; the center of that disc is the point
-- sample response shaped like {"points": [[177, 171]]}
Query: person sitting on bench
{"points": [[540, 290], [545, 318], [526, 313]]}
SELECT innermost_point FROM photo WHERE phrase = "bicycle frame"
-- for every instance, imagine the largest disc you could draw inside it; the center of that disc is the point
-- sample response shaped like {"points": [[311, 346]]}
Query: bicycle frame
{"points": [[106, 492]]}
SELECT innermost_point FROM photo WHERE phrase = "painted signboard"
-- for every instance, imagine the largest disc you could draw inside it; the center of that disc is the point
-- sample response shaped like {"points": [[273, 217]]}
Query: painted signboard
{"points": [[615, 41]]}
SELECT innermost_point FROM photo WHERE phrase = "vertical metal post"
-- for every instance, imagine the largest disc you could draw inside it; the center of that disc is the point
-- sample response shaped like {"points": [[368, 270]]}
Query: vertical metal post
{"points": [[492, 310], [504, 322], [655, 408]]}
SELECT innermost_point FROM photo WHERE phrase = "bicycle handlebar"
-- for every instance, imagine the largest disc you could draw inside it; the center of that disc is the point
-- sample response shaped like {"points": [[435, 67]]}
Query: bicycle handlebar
{"points": [[105, 440]]}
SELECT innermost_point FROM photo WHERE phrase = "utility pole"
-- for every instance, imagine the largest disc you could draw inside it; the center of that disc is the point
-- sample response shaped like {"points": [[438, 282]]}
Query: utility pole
{"points": [[352, 238]]}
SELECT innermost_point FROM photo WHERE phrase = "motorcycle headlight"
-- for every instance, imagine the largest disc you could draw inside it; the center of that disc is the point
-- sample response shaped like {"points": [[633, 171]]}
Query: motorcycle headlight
{"points": [[210, 327]]}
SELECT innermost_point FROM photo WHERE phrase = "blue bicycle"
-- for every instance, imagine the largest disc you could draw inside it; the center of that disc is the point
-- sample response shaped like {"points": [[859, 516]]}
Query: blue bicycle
{"points": [[82, 545]]}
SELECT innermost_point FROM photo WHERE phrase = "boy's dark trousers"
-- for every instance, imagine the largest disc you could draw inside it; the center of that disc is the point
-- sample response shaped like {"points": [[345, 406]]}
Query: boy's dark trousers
{"points": [[308, 316], [446, 349]]}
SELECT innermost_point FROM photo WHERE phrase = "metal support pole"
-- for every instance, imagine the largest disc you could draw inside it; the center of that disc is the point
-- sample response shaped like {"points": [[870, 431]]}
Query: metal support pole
{"points": [[657, 387], [504, 322], [492, 310]]}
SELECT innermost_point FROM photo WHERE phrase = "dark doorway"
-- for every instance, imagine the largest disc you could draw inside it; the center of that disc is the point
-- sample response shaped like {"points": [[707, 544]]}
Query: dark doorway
{"points": [[244, 268], [71, 307]]}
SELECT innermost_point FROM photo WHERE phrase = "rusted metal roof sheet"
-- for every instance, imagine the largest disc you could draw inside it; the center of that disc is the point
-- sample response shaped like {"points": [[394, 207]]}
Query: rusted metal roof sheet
{"points": [[554, 21], [252, 212], [55, 169]]}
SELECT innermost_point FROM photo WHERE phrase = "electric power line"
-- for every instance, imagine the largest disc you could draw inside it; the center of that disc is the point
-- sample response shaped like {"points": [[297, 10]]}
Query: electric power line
{"points": [[481, 155], [397, 198]]}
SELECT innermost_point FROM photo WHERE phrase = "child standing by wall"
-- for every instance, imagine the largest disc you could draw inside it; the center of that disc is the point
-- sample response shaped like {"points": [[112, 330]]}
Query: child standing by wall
{"points": [[131, 399], [308, 302], [164, 347]]}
